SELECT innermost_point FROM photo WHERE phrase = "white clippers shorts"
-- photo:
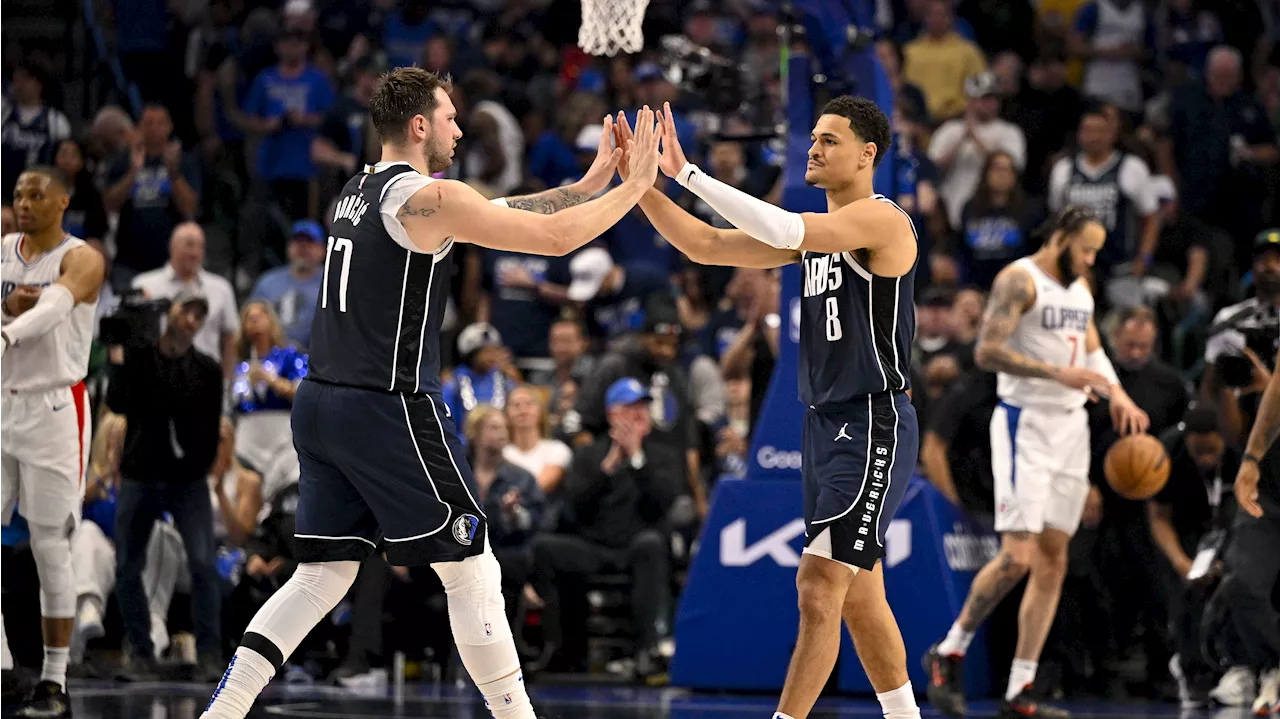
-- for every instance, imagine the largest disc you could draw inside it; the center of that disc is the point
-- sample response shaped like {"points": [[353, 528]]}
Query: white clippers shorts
{"points": [[44, 451], [1040, 463]]}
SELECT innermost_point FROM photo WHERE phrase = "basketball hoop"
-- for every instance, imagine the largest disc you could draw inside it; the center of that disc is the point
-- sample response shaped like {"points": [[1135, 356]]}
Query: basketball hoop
{"points": [[612, 25]]}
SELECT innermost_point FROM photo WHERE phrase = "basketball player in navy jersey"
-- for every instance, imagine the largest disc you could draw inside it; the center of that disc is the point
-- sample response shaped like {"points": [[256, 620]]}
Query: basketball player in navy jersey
{"points": [[857, 321], [382, 468]]}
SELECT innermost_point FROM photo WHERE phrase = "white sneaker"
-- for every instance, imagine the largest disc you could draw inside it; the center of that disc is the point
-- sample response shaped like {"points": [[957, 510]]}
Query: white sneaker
{"points": [[374, 680], [88, 626], [1236, 688], [159, 635], [1268, 701]]}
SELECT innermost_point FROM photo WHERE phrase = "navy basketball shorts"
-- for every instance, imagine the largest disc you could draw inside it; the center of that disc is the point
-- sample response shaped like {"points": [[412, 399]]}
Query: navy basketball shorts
{"points": [[858, 458], [381, 471]]}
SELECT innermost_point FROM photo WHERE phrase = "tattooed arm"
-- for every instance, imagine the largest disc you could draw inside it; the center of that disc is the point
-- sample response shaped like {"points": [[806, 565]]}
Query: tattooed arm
{"points": [[550, 201], [1011, 294], [596, 179]]}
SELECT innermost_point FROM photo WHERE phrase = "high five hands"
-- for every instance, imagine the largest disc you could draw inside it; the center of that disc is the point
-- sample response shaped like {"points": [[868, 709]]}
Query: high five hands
{"points": [[671, 160], [640, 148]]}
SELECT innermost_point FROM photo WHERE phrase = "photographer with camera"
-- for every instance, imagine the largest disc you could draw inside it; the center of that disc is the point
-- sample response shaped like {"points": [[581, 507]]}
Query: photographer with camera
{"points": [[1189, 521], [1236, 373], [171, 396]]}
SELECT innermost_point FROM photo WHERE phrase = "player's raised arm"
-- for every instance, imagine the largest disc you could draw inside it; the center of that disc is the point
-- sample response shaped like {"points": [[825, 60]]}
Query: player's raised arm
{"points": [[451, 209], [864, 224], [593, 181], [81, 280], [699, 241]]}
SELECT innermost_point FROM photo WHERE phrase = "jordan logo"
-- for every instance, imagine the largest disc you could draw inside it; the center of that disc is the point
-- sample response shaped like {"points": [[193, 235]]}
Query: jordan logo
{"points": [[843, 434]]}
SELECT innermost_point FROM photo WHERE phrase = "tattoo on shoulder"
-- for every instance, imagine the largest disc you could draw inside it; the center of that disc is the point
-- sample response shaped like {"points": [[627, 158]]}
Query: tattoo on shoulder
{"points": [[411, 210], [548, 202]]}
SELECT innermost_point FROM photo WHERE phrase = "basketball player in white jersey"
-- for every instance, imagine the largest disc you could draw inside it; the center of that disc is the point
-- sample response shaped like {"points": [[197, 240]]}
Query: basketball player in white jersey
{"points": [[50, 292], [1040, 338]]}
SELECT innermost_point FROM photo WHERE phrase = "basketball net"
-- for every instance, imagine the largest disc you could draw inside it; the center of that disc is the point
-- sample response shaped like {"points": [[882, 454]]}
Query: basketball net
{"points": [[612, 25]]}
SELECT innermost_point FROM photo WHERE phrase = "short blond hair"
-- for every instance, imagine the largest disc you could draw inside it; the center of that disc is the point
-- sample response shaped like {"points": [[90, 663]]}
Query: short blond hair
{"points": [[478, 414]]}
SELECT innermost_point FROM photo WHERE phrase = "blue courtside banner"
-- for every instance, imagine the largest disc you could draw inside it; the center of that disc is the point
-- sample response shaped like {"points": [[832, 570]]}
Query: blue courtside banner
{"points": [[737, 622]]}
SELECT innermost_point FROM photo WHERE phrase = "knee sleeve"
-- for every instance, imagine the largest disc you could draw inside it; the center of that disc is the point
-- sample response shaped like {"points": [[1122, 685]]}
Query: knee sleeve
{"points": [[51, 547], [284, 621], [478, 618]]}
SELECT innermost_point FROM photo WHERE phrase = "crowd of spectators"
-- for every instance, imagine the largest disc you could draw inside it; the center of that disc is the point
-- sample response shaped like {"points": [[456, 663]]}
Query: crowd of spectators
{"points": [[1160, 117]]}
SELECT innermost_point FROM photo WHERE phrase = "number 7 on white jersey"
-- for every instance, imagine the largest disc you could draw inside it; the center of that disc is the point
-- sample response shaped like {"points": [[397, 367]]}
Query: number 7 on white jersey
{"points": [[343, 245]]}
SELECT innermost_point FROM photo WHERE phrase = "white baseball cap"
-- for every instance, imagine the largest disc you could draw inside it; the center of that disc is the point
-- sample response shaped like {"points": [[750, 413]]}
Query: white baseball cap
{"points": [[477, 335], [587, 271]]}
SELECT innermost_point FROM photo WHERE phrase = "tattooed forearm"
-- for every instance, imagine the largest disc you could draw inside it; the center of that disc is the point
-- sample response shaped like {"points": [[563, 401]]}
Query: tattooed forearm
{"points": [[548, 202], [1267, 425], [1010, 297]]}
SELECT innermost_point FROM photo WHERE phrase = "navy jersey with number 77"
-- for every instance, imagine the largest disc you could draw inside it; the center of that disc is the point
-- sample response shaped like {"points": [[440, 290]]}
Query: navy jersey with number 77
{"points": [[377, 322], [856, 328]]}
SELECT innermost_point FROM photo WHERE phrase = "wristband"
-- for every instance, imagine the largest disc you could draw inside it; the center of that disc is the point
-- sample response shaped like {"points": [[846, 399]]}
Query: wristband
{"points": [[1250, 458]]}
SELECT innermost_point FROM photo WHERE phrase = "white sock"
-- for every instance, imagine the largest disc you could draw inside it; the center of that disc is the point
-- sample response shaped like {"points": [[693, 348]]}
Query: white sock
{"points": [[899, 703], [55, 666], [780, 715], [957, 641], [507, 699], [6, 659], [1021, 675], [247, 675]]}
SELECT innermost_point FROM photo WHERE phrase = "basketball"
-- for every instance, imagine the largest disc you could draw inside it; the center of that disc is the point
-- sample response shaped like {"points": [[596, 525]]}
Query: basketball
{"points": [[1137, 466]]}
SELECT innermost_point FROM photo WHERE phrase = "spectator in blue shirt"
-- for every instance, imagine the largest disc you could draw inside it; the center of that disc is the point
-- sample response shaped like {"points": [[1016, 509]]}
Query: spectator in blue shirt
{"points": [[481, 376], [287, 103], [267, 375], [292, 290]]}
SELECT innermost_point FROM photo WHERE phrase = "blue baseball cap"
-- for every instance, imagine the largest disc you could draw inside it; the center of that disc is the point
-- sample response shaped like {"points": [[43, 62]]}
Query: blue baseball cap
{"points": [[627, 390], [309, 229]]}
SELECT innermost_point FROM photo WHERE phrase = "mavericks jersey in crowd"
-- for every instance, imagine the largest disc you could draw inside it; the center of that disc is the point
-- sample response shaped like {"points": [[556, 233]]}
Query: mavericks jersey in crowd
{"points": [[377, 323], [286, 362], [856, 328]]}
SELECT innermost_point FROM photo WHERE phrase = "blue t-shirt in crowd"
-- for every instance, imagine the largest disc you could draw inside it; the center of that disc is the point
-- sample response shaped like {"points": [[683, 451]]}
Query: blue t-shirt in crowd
{"points": [[286, 154], [519, 315], [552, 160], [720, 332], [467, 388], [623, 311], [405, 43], [149, 214], [294, 300], [287, 362]]}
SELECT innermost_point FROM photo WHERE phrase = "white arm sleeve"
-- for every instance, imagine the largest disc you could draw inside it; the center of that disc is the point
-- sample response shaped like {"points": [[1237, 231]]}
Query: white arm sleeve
{"points": [[1098, 361], [55, 305], [767, 223]]}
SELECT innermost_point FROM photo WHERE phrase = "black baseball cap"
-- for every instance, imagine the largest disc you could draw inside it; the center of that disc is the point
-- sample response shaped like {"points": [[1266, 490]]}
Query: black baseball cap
{"points": [[1268, 239]]}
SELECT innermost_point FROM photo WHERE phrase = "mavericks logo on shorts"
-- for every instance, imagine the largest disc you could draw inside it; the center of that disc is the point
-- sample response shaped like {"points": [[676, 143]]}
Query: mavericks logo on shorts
{"points": [[464, 529]]}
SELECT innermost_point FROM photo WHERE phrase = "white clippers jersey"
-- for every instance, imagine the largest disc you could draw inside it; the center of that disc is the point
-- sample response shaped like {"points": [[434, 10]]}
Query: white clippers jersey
{"points": [[1053, 330], [61, 357]]}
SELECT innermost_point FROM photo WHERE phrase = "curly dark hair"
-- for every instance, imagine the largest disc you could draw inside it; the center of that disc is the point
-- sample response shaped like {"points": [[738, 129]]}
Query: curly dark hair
{"points": [[401, 94], [866, 119]]}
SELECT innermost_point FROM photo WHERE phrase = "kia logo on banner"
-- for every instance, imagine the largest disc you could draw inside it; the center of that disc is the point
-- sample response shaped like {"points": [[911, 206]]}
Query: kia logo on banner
{"points": [[777, 545]]}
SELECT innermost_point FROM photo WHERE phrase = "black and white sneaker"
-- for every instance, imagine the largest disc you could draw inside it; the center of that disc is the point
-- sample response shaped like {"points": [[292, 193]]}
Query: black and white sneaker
{"points": [[946, 682], [46, 701]]}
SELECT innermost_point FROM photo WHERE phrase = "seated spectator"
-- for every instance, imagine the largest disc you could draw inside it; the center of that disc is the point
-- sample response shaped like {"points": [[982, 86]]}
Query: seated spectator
{"points": [[619, 490], [85, 217], [567, 343], [745, 337], [216, 337], [613, 294], [484, 376], [294, 288], [522, 297], [530, 447], [956, 447], [966, 311], [993, 228], [510, 495]]}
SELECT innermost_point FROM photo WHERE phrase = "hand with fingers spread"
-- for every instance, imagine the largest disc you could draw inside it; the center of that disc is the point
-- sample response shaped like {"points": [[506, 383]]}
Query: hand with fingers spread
{"points": [[608, 154], [642, 148], [673, 159], [622, 139]]}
